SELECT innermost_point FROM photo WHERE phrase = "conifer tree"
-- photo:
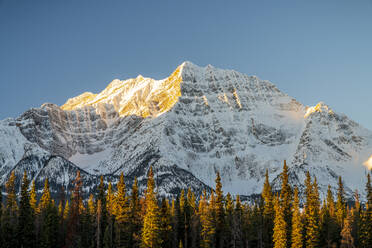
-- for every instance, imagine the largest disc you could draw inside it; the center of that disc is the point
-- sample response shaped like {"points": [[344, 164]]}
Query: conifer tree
{"points": [[369, 210], [25, 230], [108, 241], [89, 223], [364, 232], [316, 198], [45, 199], [286, 201], [194, 221], [280, 226], [365, 229], [9, 215], [49, 233], [86, 228], [238, 224], [99, 237], [369, 190], [11, 198], [253, 225], [175, 212], [62, 223], [122, 215], [74, 235], [207, 221], [151, 225], [110, 200], [166, 224], [103, 221], [184, 222], [141, 222], [135, 213], [66, 211], [329, 227], [191, 198], [189, 211], [60, 209], [312, 213], [341, 203], [8, 228], [183, 218], [33, 200], [330, 202], [297, 226], [356, 219], [324, 218], [268, 212], [91, 205], [347, 240], [48, 219], [229, 236], [220, 213]]}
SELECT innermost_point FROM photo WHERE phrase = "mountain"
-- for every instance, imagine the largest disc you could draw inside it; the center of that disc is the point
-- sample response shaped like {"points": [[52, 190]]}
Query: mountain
{"points": [[188, 126]]}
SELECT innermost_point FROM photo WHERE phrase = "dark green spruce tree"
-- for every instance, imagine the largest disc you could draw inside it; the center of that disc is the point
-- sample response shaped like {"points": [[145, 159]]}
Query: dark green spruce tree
{"points": [[312, 224], [329, 228], [341, 203], [166, 224], [135, 216], [286, 202], [74, 234], [220, 213], [25, 230], [365, 229], [122, 216], [49, 219], [49, 236], [184, 219], [9, 215], [229, 207], [102, 220]]}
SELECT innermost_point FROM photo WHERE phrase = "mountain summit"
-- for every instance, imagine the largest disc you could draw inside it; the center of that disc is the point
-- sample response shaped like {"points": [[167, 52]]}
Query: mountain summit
{"points": [[139, 96], [188, 126]]}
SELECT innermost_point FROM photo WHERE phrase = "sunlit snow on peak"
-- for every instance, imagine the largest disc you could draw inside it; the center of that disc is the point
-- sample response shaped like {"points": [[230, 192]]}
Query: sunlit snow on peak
{"points": [[140, 96], [320, 107]]}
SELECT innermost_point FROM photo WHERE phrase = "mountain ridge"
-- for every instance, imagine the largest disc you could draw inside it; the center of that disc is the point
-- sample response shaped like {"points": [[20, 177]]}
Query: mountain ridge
{"points": [[199, 120]]}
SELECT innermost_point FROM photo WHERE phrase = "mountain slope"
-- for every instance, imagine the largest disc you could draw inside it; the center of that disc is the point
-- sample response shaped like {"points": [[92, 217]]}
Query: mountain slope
{"points": [[188, 126]]}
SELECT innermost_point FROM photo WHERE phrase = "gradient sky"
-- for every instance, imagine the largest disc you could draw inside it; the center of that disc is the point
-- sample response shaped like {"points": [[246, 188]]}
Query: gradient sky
{"points": [[318, 50]]}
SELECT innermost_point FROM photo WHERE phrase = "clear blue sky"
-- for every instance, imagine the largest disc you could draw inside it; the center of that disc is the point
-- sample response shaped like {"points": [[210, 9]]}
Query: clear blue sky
{"points": [[318, 50]]}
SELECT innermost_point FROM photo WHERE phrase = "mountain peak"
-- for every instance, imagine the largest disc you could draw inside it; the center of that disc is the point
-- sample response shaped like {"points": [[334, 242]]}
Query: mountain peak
{"points": [[78, 101], [212, 120], [321, 107], [138, 96]]}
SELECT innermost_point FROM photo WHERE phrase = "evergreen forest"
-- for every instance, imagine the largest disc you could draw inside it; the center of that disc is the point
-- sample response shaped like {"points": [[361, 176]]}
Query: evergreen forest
{"points": [[122, 217]]}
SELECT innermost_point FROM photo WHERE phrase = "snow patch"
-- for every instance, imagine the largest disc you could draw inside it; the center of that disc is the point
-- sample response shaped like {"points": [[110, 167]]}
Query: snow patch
{"points": [[90, 162]]}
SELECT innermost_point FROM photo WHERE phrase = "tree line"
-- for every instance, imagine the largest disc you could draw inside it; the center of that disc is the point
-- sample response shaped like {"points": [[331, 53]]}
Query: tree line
{"points": [[123, 218]]}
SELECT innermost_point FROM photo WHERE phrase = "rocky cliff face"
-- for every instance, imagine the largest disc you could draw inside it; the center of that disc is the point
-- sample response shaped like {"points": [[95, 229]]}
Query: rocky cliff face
{"points": [[187, 126]]}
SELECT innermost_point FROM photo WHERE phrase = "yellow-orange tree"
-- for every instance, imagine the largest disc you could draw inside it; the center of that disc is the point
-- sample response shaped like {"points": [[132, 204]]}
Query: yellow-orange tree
{"points": [[151, 232]]}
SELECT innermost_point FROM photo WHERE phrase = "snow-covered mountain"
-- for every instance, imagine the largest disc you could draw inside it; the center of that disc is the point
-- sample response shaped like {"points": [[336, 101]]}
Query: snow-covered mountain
{"points": [[197, 121]]}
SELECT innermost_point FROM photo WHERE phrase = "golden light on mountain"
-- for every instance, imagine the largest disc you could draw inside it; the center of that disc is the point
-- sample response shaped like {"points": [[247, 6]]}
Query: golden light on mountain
{"points": [[320, 107], [139, 96], [368, 163]]}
